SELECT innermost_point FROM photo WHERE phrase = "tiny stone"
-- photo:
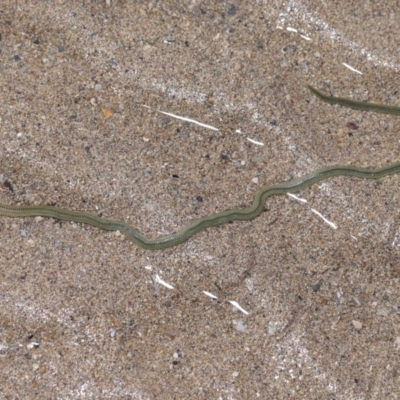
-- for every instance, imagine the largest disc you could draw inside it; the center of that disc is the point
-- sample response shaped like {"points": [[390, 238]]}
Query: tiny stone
{"points": [[357, 324], [271, 329], [168, 39], [232, 10], [383, 312], [255, 180], [97, 86], [357, 300], [181, 354], [316, 286], [240, 326], [16, 57], [340, 132]]}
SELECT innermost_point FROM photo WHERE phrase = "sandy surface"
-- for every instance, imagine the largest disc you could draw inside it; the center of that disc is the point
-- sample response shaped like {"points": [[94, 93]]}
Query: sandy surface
{"points": [[82, 315]]}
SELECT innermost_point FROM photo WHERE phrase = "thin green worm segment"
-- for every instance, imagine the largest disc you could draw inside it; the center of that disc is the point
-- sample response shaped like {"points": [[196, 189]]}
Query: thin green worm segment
{"points": [[358, 105], [241, 214]]}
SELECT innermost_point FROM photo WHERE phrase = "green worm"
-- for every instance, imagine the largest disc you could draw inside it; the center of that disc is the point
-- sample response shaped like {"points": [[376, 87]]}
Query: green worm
{"points": [[358, 105], [240, 214]]}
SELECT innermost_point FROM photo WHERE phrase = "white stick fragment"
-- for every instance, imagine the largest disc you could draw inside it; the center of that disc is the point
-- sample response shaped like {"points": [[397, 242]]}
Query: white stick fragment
{"points": [[161, 282], [255, 142], [324, 219], [297, 198], [236, 304], [352, 69], [210, 295], [185, 119], [291, 29], [305, 37]]}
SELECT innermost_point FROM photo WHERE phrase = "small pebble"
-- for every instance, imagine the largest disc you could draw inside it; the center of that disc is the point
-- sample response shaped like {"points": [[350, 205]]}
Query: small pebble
{"points": [[316, 286], [240, 326], [352, 125], [357, 324], [383, 312], [271, 329], [232, 10], [357, 300], [168, 39]]}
